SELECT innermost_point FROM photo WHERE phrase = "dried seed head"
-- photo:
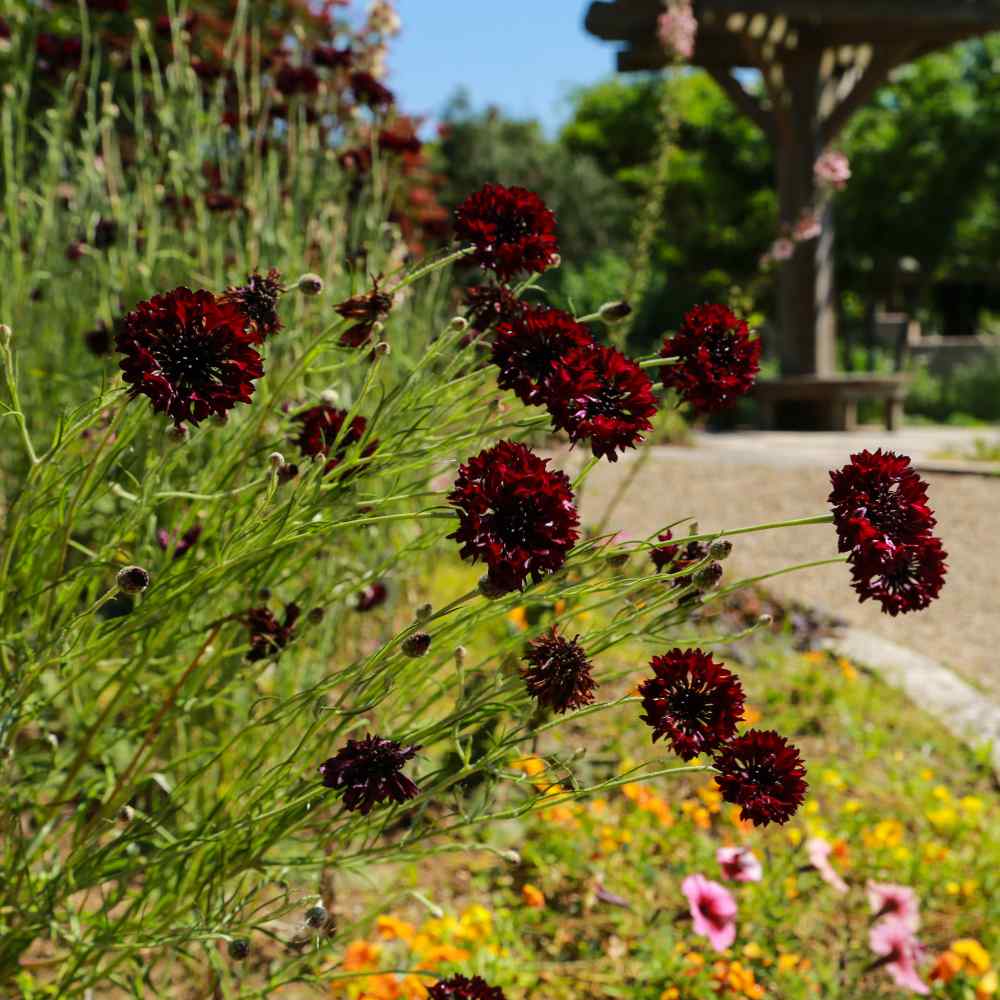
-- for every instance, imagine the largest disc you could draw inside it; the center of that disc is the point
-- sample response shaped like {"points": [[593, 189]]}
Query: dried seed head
{"points": [[765, 620], [316, 615], [720, 549], [310, 284], [126, 814], [614, 312], [490, 590], [239, 948], [459, 324], [382, 349], [316, 916], [708, 577], [424, 612], [276, 459], [133, 579], [416, 644]]}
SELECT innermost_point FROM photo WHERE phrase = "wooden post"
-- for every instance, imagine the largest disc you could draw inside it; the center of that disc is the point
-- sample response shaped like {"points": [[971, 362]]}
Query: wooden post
{"points": [[806, 305]]}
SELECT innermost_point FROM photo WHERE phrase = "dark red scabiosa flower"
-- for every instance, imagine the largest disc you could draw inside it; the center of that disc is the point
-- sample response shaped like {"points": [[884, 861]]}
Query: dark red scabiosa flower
{"points": [[527, 347], [557, 674], [491, 304], [597, 394], [458, 987], [100, 340], [675, 558], [879, 495], [400, 139], [717, 361], [190, 353], [902, 578], [369, 91], [321, 427], [514, 513], [367, 309], [258, 301], [663, 556], [105, 234], [762, 773], [190, 537], [691, 700], [293, 80], [268, 636], [369, 772], [372, 596], [511, 229]]}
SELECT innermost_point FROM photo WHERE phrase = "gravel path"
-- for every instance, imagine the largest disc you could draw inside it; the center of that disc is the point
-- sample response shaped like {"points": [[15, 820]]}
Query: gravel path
{"points": [[733, 480]]}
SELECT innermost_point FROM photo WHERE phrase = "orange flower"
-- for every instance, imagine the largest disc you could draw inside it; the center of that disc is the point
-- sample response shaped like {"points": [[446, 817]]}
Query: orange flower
{"points": [[443, 954], [947, 966], [361, 955], [391, 928], [532, 896]]}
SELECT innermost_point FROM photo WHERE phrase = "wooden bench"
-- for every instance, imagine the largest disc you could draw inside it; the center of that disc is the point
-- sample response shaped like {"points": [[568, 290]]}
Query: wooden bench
{"points": [[828, 402]]}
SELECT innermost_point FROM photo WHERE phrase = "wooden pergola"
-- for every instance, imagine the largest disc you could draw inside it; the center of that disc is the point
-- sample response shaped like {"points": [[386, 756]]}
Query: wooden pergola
{"points": [[820, 60]]}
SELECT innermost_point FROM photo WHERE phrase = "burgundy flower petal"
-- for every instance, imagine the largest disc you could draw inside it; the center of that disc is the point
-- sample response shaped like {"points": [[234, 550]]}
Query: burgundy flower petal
{"points": [[320, 428], [762, 773], [558, 672], [369, 772], [902, 578], [458, 987], [258, 301]]}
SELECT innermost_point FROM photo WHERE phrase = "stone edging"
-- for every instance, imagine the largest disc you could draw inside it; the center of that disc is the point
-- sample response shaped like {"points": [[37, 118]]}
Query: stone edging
{"points": [[964, 711]]}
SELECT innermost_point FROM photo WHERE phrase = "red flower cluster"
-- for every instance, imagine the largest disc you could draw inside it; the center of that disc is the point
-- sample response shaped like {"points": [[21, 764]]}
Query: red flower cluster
{"points": [[762, 773], [369, 772], [258, 301], [459, 987], [597, 394], [191, 353], [367, 309], [323, 430], [268, 636], [692, 700], [489, 305], [515, 514], [716, 361], [511, 229], [883, 520], [558, 672]]}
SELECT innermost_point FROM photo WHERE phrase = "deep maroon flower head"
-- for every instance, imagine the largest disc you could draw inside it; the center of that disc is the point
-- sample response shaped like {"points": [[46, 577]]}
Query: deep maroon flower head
{"points": [[369, 91], [675, 558], [717, 360], [400, 139], [763, 773], [557, 674], [369, 772], [902, 578], [4, 29], [663, 556], [491, 304], [291, 80], [105, 234], [367, 309], [258, 301], [879, 495], [56, 53], [190, 353], [597, 394], [100, 340], [190, 537], [331, 58], [268, 636], [322, 425], [527, 347], [693, 701], [372, 596], [458, 987], [514, 513], [511, 229]]}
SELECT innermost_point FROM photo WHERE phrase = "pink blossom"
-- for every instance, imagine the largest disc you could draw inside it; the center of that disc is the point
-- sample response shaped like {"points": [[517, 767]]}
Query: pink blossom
{"points": [[739, 864], [782, 248], [713, 910], [819, 852], [900, 952], [833, 170], [807, 228], [897, 902], [677, 29]]}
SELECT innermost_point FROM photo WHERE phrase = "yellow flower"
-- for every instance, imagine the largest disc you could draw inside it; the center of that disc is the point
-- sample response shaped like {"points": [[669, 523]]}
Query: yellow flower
{"points": [[711, 797], [971, 805], [794, 836], [941, 792], [532, 896], [942, 819], [848, 669], [531, 766], [952, 888], [987, 986], [973, 952], [751, 715], [442, 954], [438, 928], [791, 887], [695, 958], [788, 962], [752, 950], [901, 854], [886, 833], [852, 805], [969, 887], [670, 993], [599, 807], [518, 617], [391, 928], [811, 808], [815, 656], [702, 818], [927, 774], [935, 851], [475, 924]]}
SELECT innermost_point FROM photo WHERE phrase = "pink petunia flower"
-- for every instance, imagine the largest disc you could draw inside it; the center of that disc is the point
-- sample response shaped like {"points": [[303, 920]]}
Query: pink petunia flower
{"points": [[819, 852], [713, 910], [900, 952], [677, 29], [896, 902], [739, 864]]}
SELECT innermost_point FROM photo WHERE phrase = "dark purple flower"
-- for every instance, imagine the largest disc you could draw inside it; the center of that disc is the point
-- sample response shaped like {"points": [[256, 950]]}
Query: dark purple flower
{"points": [[558, 674], [258, 301], [369, 772], [458, 987], [268, 636]]}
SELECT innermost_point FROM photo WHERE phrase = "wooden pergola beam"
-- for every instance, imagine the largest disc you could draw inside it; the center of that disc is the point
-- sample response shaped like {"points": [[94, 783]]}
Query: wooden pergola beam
{"points": [[748, 103]]}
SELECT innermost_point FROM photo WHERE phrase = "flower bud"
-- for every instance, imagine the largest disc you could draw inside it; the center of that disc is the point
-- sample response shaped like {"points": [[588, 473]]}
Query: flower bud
{"points": [[382, 349], [126, 814], [460, 654], [708, 577], [720, 549], [316, 916], [133, 579], [765, 620], [6, 334], [416, 644], [310, 284], [618, 559], [239, 948], [459, 324], [316, 615], [490, 590], [330, 397], [424, 612], [178, 434], [276, 459], [614, 312]]}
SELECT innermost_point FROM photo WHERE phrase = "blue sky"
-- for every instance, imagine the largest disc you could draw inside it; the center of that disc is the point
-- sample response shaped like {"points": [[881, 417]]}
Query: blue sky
{"points": [[522, 55]]}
